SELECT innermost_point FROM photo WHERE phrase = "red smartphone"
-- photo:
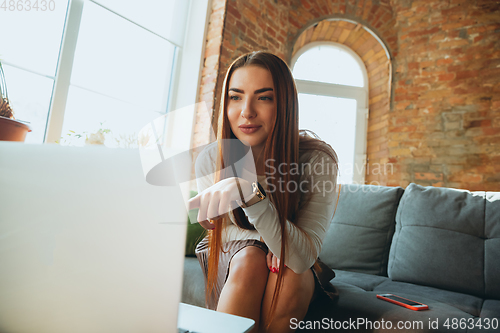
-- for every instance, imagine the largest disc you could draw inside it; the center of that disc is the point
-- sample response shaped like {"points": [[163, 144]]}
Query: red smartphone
{"points": [[407, 303]]}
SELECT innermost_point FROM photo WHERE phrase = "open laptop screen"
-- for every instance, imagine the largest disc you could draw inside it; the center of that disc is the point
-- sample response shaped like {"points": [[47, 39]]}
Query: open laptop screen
{"points": [[86, 244]]}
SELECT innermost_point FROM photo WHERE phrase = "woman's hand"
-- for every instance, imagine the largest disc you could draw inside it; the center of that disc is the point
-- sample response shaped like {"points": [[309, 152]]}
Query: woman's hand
{"points": [[218, 200], [273, 262]]}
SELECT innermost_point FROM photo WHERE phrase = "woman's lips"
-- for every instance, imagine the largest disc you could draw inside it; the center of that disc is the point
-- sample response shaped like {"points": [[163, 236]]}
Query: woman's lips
{"points": [[249, 129]]}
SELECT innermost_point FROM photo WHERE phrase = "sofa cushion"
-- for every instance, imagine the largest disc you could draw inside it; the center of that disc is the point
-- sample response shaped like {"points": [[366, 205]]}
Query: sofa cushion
{"points": [[470, 304], [464, 302], [366, 282], [442, 240], [367, 312], [361, 230], [492, 245], [491, 309]]}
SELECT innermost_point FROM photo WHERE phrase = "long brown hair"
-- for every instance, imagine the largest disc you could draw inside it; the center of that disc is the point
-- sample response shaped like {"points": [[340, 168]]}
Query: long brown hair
{"points": [[281, 149]]}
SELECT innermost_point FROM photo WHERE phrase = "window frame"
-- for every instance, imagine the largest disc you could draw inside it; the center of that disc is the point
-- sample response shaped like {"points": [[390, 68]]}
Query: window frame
{"points": [[187, 63], [360, 94]]}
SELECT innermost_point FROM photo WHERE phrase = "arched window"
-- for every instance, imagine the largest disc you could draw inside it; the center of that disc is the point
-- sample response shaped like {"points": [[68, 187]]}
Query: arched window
{"points": [[333, 102]]}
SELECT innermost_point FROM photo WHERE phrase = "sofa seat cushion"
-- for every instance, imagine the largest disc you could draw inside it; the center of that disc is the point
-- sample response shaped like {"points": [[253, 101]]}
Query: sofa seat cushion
{"points": [[466, 303], [491, 309], [366, 282], [361, 230], [354, 303]]}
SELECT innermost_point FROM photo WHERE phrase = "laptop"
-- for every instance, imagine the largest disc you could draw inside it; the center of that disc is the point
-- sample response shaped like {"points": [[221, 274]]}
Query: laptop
{"points": [[86, 244]]}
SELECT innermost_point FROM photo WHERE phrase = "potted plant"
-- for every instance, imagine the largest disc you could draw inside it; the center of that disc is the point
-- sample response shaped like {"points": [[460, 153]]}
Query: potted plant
{"points": [[10, 129]]}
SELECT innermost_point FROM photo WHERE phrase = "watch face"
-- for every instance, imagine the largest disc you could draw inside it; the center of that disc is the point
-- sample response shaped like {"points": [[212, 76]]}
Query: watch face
{"points": [[258, 190]]}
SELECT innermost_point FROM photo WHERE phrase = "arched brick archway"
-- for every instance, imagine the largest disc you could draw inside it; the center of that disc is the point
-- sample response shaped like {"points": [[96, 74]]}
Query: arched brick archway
{"points": [[377, 60]]}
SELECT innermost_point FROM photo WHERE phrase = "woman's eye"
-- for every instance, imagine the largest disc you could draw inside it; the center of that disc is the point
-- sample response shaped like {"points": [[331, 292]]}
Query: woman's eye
{"points": [[234, 97], [266, 98]]}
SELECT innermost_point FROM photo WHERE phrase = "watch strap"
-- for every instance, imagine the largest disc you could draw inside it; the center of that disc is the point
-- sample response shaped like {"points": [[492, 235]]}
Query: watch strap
{"points": [[240, 191], [259, 194]]}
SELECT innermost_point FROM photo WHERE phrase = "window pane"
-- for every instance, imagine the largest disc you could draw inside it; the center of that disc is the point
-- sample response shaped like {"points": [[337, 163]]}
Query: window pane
{"points": [[165, 18], [31, 39], [329, 64], [121, 60], [333, 119], [87, 112], [29, 96]]}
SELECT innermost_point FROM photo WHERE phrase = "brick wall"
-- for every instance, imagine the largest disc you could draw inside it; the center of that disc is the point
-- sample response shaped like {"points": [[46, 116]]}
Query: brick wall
{"points": [[444, 128], [210, 74], [440, 125], [246, 26]]}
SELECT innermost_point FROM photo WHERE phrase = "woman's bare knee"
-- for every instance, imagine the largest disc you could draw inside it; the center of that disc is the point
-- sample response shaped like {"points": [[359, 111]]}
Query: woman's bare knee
{"points": [[248, 265]]}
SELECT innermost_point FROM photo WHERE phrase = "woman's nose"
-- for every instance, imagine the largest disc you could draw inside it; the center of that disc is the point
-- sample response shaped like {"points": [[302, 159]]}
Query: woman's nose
{"points": [[248, 111]]}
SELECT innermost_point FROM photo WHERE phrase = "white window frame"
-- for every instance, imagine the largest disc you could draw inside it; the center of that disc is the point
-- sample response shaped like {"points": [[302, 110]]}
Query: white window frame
{"points": [[185, 76], [343, 91]]}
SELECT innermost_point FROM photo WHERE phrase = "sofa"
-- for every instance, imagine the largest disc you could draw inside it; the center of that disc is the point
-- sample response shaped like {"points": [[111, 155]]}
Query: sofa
{"points": [[437, 246]]}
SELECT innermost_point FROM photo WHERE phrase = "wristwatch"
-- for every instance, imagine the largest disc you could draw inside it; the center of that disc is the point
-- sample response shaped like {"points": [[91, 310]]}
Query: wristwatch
{"points": [[258, 195]]}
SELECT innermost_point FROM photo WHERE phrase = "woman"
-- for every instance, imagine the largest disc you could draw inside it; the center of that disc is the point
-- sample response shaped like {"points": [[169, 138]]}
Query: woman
{"points": [[264, 236]]}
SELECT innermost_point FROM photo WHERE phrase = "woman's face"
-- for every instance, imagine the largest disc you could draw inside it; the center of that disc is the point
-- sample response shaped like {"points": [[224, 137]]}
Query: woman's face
{"points": [[251, 106]]}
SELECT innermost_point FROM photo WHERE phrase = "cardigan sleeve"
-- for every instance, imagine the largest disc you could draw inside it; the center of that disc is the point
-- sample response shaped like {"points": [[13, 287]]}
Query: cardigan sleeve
{"points": [[305, 236]]}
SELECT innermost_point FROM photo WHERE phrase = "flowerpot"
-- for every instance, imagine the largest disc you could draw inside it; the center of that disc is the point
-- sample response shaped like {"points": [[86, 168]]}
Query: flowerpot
{"points": [[13, 130]]}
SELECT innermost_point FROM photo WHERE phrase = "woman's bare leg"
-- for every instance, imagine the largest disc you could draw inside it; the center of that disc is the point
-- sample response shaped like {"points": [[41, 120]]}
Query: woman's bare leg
{"points": [[243, 291], [297, 291]]}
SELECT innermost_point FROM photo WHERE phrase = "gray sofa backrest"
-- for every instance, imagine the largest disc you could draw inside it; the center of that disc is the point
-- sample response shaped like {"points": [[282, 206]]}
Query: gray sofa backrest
{"points": [[361, 230], [449, 239]]}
